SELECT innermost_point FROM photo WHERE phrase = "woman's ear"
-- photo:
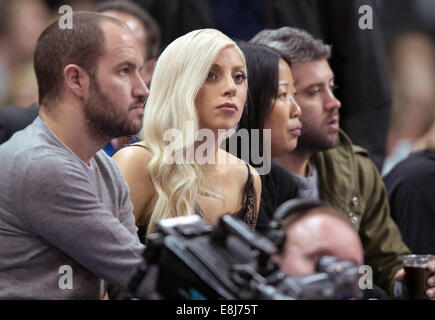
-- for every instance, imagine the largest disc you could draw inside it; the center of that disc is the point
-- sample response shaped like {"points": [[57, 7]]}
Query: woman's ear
{"points": [[77, 80]]}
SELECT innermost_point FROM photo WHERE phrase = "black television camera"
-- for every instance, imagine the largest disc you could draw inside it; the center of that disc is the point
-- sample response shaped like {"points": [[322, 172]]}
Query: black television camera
{"points": [[196, 261]]}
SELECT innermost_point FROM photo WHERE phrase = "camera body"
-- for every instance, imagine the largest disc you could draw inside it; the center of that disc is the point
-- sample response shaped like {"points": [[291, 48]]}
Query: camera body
{"points": [[231, 262]]}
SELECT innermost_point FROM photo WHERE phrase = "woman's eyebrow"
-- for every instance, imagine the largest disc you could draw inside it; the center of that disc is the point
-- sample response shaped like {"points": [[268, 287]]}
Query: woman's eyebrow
{"points": [[216, 65]]}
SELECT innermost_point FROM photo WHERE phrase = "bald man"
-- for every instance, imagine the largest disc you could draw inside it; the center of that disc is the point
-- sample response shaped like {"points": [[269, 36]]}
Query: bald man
{"points": [[64, 207], [315, 233]]}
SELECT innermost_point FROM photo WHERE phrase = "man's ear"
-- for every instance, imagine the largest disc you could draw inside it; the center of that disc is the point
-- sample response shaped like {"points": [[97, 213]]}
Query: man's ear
{"points": [[77, 80]]}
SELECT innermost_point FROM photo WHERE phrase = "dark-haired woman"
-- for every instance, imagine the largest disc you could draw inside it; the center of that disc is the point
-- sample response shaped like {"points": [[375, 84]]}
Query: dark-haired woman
{"points": [[271, 108]]}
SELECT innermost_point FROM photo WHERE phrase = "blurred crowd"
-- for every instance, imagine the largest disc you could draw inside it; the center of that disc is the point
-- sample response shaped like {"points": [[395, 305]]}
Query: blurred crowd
{"points": [[408, 28]]}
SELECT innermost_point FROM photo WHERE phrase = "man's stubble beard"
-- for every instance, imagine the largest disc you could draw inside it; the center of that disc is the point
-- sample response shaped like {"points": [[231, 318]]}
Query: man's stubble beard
{"points": [[104, 119], [313, 141]]}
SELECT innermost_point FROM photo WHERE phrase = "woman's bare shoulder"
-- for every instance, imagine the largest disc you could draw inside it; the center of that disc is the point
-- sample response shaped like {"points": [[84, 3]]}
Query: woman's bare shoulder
{"points": [[136, 156], [237, 168], [133, 163]]}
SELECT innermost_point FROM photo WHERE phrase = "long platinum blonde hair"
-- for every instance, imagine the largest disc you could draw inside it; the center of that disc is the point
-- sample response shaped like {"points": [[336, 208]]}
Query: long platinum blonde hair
{"points": [[181, 70]]}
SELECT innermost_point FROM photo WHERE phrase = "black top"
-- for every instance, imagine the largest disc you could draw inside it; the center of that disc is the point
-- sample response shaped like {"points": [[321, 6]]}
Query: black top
{"points": [[411, 191], [277, 187]]}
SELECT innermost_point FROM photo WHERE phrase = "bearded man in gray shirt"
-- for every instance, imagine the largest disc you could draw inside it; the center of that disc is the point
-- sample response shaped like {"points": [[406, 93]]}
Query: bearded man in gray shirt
{"points": [[66, 221]]}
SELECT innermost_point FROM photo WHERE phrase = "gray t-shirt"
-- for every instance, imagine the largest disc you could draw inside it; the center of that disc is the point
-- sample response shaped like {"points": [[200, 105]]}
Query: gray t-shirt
{"points": [[308, 186], [64, 225]]}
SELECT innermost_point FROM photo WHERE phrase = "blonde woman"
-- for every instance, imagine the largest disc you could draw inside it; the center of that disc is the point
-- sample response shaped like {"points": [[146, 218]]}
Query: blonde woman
{"points": [[199, 88]]}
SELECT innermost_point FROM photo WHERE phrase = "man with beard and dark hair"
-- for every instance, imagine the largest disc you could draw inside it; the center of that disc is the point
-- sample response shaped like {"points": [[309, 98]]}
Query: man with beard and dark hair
{"points": [[66, 220], [327, 166], [147, 33]]}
